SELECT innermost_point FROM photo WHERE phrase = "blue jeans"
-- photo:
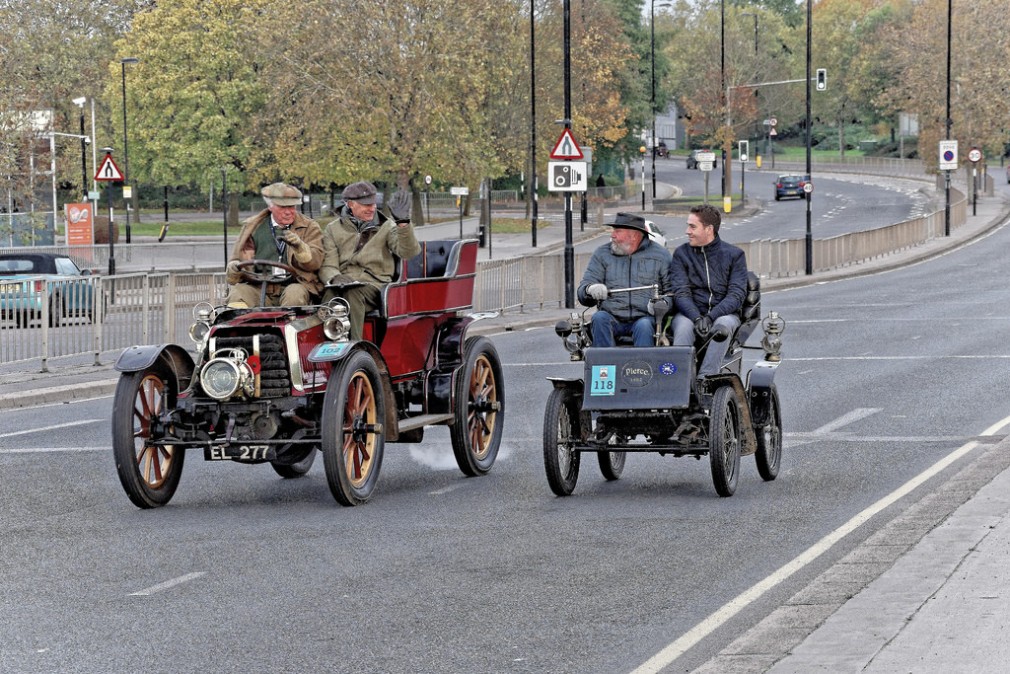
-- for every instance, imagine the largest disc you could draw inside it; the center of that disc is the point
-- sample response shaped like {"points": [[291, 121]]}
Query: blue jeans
{"points": [[606, 329], [683, 335]]}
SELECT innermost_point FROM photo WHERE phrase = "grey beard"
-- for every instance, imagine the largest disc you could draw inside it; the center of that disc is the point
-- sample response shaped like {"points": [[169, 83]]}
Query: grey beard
{"points": [[618, 249]]}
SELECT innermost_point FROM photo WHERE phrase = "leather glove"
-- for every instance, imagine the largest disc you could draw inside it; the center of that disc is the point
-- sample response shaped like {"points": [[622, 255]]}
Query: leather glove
{"points": [[703, 326], [340, 280], [233, 274], [597, 291], [301, 250], [399, 206], [658, 305]]}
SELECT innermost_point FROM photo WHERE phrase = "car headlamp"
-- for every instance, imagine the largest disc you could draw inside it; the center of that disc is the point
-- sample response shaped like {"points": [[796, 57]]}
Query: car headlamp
{"points": [[224, 376], [336, 319], [199, 331], [203, 315], [773, 326]]}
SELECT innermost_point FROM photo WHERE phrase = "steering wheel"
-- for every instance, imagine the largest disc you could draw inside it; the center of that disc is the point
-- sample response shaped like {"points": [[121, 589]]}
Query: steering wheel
{"points": [[247, 269]]}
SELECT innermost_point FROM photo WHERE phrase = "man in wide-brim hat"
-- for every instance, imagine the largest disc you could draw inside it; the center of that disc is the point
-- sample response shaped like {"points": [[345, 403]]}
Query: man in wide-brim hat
{"points": [[631, 259], [278, 233]]}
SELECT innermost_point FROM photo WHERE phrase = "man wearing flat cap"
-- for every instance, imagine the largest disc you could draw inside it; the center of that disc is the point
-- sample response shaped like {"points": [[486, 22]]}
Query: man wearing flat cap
{"points": [[278, 233], [361, 247], [630, 260]]}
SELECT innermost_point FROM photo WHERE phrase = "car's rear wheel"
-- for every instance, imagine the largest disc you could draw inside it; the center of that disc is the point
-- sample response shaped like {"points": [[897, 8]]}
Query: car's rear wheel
{"points": [[480, 405], [724, 440], [561, 431], [290, 471], [149, 473], [352, 434], [769, 439], [612, 464]]}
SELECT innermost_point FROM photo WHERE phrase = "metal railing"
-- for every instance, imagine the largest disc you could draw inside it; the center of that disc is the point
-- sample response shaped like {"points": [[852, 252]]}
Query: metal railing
{"points": [[151, 307]]}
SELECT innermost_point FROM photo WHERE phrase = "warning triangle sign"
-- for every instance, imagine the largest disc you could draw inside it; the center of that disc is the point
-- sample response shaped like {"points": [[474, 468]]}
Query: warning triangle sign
{"points": [[566, 147], [108, 171]]}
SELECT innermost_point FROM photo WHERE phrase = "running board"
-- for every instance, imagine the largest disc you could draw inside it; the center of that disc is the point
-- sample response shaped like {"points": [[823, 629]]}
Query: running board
{"points": [[420, 421]]}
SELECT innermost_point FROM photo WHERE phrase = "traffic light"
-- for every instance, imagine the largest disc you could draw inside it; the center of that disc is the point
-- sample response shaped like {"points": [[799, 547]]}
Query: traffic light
{"points": [[744, 150], [822, 79]]}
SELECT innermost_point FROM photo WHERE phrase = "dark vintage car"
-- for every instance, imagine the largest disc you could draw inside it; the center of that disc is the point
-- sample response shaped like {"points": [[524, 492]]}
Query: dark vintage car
{"points": [[788, 185], [277, 384], [648, 399], [37, 286]]}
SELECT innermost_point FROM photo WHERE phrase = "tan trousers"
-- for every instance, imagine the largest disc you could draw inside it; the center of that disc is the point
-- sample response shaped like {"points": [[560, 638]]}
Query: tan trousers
{"points": [[290, 295]]}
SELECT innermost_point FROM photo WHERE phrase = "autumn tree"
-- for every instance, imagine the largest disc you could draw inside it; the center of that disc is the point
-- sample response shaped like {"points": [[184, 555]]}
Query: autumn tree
{"points": [[51, 51], [979, 79], [195, 90]]}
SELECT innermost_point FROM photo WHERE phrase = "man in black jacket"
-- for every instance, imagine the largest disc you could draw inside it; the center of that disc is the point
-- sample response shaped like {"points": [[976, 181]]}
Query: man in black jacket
{"points": [[709, 278]]}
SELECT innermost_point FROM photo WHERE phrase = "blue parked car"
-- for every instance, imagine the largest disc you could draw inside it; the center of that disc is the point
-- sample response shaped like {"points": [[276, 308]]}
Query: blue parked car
{"points": [[790, 186], [27, 279]]}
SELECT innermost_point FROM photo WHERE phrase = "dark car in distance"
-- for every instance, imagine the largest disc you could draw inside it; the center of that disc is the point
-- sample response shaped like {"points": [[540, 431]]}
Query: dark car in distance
{"points": [[790, 186]]}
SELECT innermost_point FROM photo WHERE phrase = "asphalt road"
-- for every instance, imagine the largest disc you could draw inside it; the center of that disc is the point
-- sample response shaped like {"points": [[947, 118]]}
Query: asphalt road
{"points": [[883, 376], [841, 203]]}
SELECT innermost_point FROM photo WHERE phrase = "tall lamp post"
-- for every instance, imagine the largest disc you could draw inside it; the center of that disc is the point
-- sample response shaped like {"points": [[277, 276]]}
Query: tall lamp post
{"points": [[79, 102], [809, 240], [533, 126], [722, 88], [947, 123], [126, 147], [652, 60]]}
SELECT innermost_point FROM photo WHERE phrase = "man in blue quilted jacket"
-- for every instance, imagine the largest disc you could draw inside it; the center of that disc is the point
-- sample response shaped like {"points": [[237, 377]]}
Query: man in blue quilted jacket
{"points": [[709, 279], [630, 260]]}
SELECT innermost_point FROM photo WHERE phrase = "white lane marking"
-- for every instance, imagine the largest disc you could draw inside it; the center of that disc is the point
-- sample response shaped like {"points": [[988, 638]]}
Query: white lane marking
{"points": [[48, 450], [691, 638], [991, 356], [168, 584], [50, 428], [846, 419]]}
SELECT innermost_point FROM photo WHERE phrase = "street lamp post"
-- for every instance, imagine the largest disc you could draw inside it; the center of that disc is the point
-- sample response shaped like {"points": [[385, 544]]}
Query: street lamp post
{"points": [[652, 60], [126, 148], [533, 127], [947, 123], [722, 87], [79, 102], [809, 240]]}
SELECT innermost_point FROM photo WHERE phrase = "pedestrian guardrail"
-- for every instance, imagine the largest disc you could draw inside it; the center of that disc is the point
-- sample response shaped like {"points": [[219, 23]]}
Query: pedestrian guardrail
{"points": [[148, 307]]}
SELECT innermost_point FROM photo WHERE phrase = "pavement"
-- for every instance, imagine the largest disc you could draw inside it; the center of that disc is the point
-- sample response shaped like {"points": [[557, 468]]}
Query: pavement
{"points": [[926, 593]]}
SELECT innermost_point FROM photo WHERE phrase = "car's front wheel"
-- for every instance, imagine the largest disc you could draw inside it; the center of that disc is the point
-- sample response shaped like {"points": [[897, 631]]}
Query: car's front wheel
{"points": [[148, 472], [561, 431], [724, 440], [769, 440], [352, 437]]}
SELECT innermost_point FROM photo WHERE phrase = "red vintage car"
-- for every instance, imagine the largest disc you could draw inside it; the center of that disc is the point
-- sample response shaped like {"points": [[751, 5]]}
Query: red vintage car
{"points": [[276, 384]]}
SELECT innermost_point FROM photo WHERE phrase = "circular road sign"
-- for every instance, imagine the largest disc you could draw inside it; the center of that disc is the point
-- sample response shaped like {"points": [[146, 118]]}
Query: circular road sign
{"points": [[808, 187], [427, 180], [974, 154]]}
